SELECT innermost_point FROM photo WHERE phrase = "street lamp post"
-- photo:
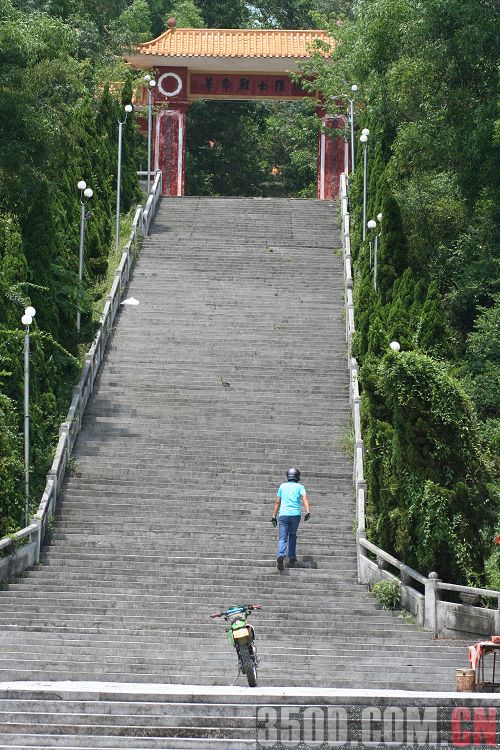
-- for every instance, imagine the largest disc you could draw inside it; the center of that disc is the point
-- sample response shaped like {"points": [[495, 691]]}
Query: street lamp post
{"points": [[128, 109], [364, 140], [375, 251], [151, 83], [27, 320], [371, 225], [85, 192], [354, 88]]}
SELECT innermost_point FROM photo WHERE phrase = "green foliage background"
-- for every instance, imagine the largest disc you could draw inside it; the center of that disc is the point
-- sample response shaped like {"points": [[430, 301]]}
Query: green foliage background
{"points": [[58, 124], [431, 421]]}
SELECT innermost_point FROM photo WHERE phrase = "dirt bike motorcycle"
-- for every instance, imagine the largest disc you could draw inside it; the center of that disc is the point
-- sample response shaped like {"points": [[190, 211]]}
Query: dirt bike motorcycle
{"points": [[241, 635]]}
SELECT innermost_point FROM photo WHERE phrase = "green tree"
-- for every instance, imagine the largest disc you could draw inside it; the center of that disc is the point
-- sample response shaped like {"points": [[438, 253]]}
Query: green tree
{"points": [[393, 256], [13, 270], [375, 178], [401, 316], [365, 299], [133, 25], [437, 467], [40, 248], [434, 334], [56, 127], [483, 361], [11, 466], [472, 266], [224, 14], [285, 14], [102, 11], [130, 184], [214, 147], [158, 11], [187, 14], [289, 143]]}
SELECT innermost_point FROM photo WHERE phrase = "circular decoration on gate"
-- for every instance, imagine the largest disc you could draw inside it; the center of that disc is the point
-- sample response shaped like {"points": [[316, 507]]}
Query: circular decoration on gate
{"points": [[162, 82]]}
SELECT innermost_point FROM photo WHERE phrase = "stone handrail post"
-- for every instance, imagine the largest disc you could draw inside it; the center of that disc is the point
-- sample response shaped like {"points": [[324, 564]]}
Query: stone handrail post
{"points": [[360, 534], [431, 599]]}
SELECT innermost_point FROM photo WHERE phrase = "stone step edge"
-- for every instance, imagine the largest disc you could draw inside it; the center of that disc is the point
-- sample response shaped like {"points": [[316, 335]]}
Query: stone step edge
{"points": [[151, 692]]}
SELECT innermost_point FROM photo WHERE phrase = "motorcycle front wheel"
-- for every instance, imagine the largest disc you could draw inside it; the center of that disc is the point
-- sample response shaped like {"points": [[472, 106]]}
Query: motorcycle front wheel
{"points": [[248, 666]]}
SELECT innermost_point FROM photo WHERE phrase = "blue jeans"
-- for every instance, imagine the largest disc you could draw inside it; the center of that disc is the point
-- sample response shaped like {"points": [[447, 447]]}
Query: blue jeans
{"points": [[287, 527]]}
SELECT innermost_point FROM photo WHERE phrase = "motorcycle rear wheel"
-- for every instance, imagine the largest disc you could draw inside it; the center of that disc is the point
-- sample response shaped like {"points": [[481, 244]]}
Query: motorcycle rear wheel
{"points": [[248, 666]]}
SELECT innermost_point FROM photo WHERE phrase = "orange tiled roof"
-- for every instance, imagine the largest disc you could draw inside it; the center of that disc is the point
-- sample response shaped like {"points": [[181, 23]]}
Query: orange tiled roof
{"points": [[233, 43]]}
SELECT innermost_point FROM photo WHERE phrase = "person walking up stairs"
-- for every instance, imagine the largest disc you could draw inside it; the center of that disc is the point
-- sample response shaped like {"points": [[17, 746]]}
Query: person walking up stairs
{"points": [[287, 508]]}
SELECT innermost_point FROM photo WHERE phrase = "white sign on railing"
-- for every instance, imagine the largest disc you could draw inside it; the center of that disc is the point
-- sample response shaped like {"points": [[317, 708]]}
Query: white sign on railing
{"points": [[17, 560]]}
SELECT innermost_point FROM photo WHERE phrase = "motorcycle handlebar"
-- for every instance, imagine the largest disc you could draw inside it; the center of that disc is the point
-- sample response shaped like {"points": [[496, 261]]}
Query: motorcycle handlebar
{"points": [[249, 607]]}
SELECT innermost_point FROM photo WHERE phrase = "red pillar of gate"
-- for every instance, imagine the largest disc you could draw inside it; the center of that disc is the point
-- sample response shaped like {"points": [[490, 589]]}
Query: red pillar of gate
{"points": [[170, 97], [332, 155], [170, 147]]}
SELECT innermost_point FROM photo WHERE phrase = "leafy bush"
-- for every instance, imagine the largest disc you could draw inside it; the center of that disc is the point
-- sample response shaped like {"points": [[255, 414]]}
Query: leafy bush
{"points": [[493, 569], [387, 593], [437, 481]]}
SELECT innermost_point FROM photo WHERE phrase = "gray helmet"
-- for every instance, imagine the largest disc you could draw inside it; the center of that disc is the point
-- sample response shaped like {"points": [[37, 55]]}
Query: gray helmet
{"points": [[293, 474]]}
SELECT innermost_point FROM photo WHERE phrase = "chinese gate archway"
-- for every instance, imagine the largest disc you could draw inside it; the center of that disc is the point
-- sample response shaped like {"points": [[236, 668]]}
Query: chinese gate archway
{"points": [[230, 64]]}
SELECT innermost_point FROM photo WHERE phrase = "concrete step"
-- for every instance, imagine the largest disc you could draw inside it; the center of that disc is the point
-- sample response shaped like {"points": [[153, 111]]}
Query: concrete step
{"points": [[309, 669], [226, 676], [215, 560], [85, 577], [187, 636], [211, 645], [230, 526], [376, 636], [165, 704], [402, 644], [303, 595], [156, 620], [62, 742], [211, 657], [163, 594]]}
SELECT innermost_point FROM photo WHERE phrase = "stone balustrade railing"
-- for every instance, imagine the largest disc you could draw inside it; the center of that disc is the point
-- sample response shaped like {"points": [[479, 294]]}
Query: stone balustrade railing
{"points": [[421, 596], [22, 549]]}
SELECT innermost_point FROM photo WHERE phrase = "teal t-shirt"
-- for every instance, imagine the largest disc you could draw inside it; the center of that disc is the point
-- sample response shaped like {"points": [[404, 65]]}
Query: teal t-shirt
{"points": [[290, 494]]}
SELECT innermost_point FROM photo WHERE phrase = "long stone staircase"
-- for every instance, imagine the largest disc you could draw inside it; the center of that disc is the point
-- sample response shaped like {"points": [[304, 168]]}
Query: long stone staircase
{"points": [[231, 369]]}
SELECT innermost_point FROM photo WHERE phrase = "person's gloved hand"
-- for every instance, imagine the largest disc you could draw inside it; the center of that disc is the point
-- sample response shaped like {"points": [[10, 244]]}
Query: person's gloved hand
{"points": [[307, 517], [274, 521]]}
